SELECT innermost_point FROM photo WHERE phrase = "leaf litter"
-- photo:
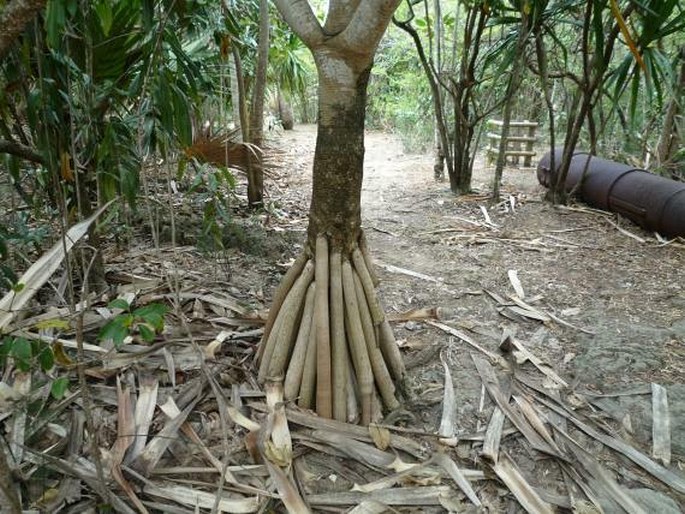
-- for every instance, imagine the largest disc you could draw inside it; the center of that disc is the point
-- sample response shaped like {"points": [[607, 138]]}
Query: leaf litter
{"points": [[183, 426]]}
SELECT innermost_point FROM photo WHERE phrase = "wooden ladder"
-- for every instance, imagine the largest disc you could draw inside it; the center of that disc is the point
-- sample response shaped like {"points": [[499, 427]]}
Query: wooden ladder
{"points": [[520, 142]]}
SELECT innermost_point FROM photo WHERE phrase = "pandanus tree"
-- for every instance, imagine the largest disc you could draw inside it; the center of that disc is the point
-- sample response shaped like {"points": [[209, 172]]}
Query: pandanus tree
{"points": [[327, 337]]}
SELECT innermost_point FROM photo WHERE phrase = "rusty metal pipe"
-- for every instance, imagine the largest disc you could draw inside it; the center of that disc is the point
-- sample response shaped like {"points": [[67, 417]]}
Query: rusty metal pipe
{"points": [[653, 202]]}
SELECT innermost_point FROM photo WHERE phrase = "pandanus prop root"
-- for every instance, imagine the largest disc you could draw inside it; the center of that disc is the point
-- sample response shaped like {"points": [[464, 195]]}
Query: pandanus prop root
{"points": [[327, 337]]}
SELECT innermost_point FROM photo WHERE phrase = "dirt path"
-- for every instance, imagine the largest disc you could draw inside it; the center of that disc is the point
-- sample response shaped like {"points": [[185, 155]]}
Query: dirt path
{"points": [[621, 302]]}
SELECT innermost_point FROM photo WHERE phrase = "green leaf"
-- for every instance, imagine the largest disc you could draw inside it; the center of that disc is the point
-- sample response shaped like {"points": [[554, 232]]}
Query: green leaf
{"points": [[5, 350], [146, 332], [152, 314], [55, 21], [105, 16], [59, 388], [119, 303], [116, 330], [22, 353], [60, 324], [46, 358]]}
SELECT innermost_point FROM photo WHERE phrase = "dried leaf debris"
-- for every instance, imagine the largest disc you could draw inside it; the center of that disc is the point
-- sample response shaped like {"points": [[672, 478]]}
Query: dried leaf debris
{"points": [[183, 427]]}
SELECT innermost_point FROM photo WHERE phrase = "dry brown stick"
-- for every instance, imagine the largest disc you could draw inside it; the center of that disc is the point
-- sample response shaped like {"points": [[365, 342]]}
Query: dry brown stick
{"points": [[287, 320], [391, 352], [355, 334], [307, 388], [324, 407], [364, 247], [293, 377], [338, 343], [380, 371], [279, 296], [375, 308]]}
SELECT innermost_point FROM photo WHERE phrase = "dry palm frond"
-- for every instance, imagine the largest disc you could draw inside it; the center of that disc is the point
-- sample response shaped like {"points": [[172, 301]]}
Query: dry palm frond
{"points": [[227, 150]]}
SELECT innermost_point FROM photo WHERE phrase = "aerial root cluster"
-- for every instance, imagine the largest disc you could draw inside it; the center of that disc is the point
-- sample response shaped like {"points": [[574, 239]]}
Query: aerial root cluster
{"points": [[328, 340]]}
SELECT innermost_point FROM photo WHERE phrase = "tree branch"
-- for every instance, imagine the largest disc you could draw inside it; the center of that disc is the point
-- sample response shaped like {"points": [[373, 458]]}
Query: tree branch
{"points": [[340, 12], [367, 26], [299, 16], [19, 150], [13, 20]]}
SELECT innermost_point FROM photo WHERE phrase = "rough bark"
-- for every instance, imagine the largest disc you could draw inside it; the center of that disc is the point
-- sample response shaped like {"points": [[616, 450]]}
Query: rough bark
{"points": [[338, 161], [13, 20]]}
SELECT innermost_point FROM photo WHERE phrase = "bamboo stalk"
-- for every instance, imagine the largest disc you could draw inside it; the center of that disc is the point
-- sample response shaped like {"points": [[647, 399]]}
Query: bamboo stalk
{"points": [[380, 371], [358, 350], [279, 296], [372, 299], [364, 247], [293, 377], [324, 407], [338, 342], [391, 352], [279, 342], [307, 388]]}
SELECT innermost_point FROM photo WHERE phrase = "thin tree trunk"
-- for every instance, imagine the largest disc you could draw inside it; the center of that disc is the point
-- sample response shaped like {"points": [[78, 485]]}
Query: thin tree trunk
{"points": [[594, 74], [443, 148], [461, 92], [544, 84], [512, 87], [255, 168], [238, 95], [671, 136]]}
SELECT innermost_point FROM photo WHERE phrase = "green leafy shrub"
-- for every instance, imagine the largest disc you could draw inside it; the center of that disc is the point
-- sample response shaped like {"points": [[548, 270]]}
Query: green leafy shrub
{"points": [[28, 356], [145, 322]]}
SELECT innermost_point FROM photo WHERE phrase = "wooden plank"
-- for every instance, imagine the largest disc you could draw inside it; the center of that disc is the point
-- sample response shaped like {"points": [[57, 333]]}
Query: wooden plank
{"points": [[511, 153], [516, 139], [499, 123]]}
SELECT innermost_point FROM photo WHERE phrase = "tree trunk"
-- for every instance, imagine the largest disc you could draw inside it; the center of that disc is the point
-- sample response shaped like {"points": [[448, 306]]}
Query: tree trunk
{"points": [[512, 87], [238, 100], [339, 162], [442, 147], [327, 339], [461, 92], [285, 111], [255, 167], [671, 135]]}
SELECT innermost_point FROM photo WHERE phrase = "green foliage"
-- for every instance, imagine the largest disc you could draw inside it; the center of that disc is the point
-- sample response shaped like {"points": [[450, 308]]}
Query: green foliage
{"points": [[398, 96], [19, 240], [145, 322], [26, 355], [212, 187]]}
